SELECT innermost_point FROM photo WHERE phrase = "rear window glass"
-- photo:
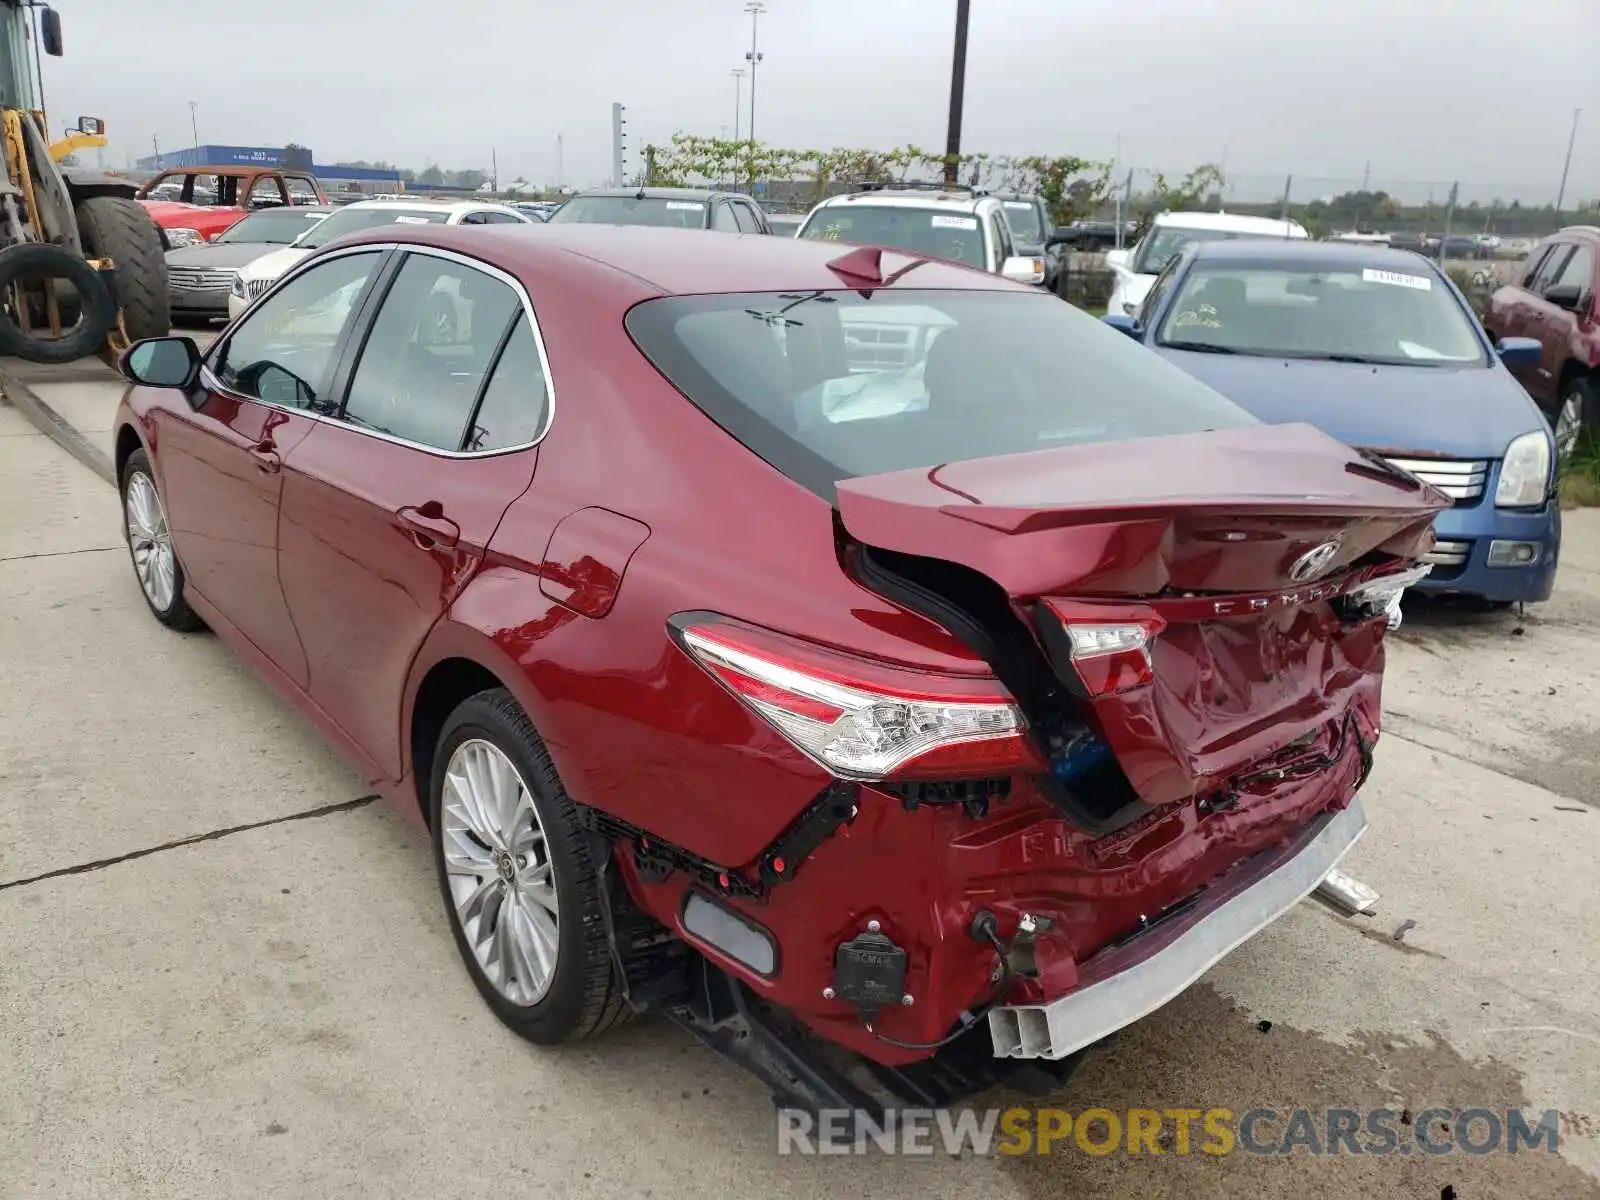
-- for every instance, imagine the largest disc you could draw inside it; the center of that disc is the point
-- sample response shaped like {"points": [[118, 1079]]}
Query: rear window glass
{"points": [[631, 210], [829, 386]]}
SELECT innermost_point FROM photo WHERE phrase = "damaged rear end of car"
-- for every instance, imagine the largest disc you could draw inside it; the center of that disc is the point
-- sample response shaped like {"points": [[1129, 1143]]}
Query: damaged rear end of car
{"points": [[1171, 621]]}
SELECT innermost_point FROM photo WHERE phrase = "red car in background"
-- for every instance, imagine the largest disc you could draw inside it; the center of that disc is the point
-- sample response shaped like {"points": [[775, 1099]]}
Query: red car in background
{"points": [[1556, 299], [195, 204], [775, 636]]}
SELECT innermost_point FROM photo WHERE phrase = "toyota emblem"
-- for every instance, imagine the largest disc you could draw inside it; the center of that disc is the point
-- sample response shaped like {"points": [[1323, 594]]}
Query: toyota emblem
{"points": [[1313, 562]]}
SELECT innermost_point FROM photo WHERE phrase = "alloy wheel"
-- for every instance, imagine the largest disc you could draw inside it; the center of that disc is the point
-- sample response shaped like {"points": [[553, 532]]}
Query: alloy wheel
{"points": [[1569, 424], [151, 541], [501, 878]]}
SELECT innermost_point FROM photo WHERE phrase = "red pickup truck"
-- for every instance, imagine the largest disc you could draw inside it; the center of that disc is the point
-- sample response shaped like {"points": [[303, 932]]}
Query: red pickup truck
{"points": [[1556, 299], [195, 204]]}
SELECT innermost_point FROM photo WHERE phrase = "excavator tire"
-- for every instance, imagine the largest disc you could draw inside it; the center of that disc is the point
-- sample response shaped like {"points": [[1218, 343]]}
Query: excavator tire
{"points": [[119, 228], [96, 310]]}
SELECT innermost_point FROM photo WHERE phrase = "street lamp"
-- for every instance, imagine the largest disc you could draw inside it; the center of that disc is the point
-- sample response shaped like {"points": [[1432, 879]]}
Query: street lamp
{"points": [[1566, 166], [738, 86], [755, 8], [958, 87]]}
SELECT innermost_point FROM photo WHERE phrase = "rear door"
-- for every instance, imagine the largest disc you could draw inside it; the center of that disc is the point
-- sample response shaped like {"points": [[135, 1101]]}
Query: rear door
{"points": [[387, 510], [221, 464], [1556, 325], [1541, 319]]}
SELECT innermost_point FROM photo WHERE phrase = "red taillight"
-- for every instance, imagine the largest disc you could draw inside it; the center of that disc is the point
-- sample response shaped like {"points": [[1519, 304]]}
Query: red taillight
{"points": [[1108, 645], [860, 718]]}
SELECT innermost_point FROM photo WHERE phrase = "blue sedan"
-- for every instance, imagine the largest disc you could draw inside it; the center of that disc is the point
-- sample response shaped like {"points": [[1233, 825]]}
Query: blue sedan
{"points": [[1377, 348]]}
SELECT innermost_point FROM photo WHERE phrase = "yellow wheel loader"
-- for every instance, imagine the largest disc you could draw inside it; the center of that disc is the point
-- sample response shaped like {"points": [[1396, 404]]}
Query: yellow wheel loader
{"points": [[82, 265]]}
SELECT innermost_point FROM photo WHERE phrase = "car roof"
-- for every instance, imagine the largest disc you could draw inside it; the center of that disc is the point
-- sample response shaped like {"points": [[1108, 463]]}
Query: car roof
{"points": [[659, 193], [956, 201], [234, 169], [1234, 222], [427, 204], [681, 262], [1294, 251]]}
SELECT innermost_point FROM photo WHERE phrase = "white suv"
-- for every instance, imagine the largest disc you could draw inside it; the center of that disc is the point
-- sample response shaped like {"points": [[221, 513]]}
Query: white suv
{"points": [[1136, 269], [257, 276], [956, 224]]}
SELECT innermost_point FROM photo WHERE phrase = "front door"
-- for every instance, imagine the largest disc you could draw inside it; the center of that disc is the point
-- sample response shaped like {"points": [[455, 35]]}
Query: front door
{"points": [[222, 463], [387, 511]]}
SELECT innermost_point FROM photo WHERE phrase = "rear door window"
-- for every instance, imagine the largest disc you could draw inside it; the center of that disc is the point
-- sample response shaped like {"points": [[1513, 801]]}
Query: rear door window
{"points": [[831, 385], [1552, 266], [722, 218], [439, 327], [745, 217], [1578, 271], [516, 403]]}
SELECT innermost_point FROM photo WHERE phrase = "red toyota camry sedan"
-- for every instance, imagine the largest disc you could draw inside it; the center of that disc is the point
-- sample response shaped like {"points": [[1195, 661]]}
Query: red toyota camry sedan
{"points": [[879, 668]]}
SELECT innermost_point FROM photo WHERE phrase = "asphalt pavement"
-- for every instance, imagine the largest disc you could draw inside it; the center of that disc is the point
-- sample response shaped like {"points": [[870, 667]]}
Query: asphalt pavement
{"points": [[225, 972]]}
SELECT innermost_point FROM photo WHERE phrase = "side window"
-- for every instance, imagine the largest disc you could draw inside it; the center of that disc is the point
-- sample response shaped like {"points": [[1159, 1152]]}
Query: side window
{"points": [[474, 218], [500, 218], [722, 218], [429, 350], [514, 404], [1157, 293], [1530, 266], [1551, 266], [745, 217], [1578, 272], [301, 190], [282, 352]]}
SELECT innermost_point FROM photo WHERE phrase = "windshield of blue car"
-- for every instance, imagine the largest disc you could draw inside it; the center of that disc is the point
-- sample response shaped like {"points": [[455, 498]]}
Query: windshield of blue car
{"points": [[271, 227], [1400, 315], [831, 385], [956, 237], [631, 210], [1024, 221], [1166, 242], [354, 220]]}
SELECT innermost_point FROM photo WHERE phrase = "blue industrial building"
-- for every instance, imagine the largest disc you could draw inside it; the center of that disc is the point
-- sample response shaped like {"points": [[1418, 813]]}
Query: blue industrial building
{"points": [[270, 156]]}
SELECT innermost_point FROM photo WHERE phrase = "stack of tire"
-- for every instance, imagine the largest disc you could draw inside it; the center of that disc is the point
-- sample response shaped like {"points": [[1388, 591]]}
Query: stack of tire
{"points": [[114, 227]]}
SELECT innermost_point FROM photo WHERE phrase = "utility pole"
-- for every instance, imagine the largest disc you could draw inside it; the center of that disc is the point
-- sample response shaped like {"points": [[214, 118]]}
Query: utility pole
{"points": [[559, 167], [194, 122], [494, 171], [1571, 139], [1366, 175], [155, 144], [618, 155], [958, 92], [738, 103], [755, 8], [1449, 219], [1288, 186]]}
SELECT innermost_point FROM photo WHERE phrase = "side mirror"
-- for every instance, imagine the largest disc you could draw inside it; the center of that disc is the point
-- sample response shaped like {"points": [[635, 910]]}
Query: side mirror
{"points": [[163, 362], [50, 31], [1022, 270], [1118, 260], [93, 126], [1520, 353], [1564, 295], [1123, 324]]}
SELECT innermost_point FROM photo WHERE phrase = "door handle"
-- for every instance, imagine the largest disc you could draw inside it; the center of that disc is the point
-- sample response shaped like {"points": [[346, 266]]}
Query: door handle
{"points": [[265, 454], [428, 526]]}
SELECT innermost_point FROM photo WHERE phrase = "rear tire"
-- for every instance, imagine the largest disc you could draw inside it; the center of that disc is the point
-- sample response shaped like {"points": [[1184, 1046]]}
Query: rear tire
{"points": [[1576, 421], [120, 229], [579, 995]]}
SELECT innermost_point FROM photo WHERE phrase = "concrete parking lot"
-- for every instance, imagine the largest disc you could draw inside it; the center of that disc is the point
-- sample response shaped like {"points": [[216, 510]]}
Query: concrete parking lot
{"points": [[225, 972]]}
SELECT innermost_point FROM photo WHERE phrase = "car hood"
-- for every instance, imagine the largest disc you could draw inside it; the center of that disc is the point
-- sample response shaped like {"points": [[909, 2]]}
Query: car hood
{"points": [[1465, 412], [214, 254], [273, 264]]}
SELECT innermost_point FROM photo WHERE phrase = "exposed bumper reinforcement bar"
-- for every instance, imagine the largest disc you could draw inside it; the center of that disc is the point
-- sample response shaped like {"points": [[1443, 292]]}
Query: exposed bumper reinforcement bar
{"points": [[1123, 984]]}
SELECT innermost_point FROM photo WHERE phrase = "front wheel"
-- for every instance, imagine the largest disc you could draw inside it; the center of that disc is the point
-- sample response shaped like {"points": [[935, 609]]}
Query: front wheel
{"points": [[518, 879], [150, 546]]}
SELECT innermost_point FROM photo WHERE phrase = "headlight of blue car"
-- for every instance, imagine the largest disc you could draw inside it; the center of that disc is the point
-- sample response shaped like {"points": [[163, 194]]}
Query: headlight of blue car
{"points": [[1525, 472]]}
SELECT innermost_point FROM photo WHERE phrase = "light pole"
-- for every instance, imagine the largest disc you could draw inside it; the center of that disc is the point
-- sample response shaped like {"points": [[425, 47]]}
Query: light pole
{"points": [[738, 91], [1566, 166], [755, 8], [194, 122], [958, 88]]}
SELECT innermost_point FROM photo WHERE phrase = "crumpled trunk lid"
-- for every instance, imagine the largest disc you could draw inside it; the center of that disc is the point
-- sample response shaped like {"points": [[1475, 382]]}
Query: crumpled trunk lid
{"points": [[1231, 550]]}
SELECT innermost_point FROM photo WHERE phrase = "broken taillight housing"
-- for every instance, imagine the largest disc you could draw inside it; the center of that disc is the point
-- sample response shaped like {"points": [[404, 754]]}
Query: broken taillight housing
{"points": [[860, 718], [1107, 645]]}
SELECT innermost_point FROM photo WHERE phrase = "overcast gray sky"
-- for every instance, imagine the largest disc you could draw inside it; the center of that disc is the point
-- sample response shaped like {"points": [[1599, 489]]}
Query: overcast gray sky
{"points": [[1473, 90]]}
